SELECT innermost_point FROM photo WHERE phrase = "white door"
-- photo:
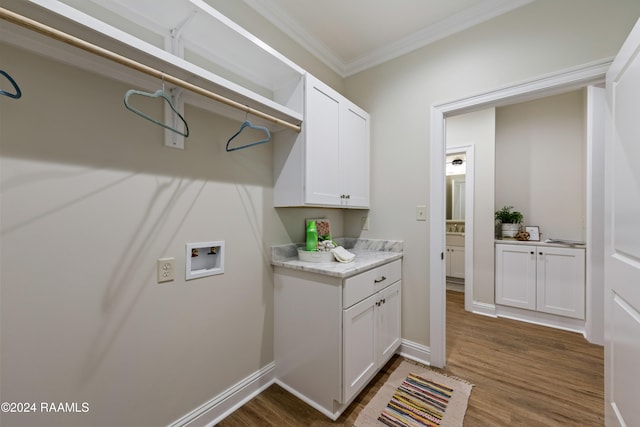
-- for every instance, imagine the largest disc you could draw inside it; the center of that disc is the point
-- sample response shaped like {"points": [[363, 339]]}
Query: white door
{"points": [[560, 274], [622, 238], [323, 181], [360, 345], [456, 255], [516, 276], [389, 322], [354, 155]]}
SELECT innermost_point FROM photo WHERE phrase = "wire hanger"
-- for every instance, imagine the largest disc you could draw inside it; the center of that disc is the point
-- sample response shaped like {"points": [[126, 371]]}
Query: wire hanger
{"points": [[248, 124], [18, 93], [157, 94]]}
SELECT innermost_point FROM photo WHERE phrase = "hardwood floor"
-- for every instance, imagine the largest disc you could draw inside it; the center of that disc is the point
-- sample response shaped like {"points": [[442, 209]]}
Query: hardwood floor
{"points": [[523, 375]]}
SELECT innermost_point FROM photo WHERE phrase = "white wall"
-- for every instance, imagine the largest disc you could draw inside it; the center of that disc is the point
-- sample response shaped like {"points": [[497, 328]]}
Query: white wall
{"points": [[478, 128], [90, 200], [540, 163], [540, 38]]}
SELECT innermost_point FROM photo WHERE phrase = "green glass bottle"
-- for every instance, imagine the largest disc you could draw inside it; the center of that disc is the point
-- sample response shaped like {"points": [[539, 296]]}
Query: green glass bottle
{"points": [[312, 236]]}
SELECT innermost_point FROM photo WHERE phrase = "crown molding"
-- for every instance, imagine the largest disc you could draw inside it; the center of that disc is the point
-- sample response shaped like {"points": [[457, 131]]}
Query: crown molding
{"points": [[285, 23], [463, 20]]}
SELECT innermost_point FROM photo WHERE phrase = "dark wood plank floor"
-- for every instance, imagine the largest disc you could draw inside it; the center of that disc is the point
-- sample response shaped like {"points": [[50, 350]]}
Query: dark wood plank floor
{"points": [[523, 375]]}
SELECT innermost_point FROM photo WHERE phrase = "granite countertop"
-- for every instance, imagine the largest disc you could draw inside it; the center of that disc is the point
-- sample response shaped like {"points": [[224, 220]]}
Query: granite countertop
{"points": [[577, 245], [369, 254]]}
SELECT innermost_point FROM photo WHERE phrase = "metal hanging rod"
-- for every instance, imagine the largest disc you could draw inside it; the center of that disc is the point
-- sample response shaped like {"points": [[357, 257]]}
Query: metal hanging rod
{"points": [[89, 47]]}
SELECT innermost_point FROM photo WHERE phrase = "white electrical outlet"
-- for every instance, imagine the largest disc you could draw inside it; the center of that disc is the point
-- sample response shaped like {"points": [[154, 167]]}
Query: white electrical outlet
{"points": [[166, 270]]}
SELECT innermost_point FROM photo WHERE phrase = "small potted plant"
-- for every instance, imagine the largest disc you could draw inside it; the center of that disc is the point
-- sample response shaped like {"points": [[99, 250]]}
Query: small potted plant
{"points": [[510, 220]]}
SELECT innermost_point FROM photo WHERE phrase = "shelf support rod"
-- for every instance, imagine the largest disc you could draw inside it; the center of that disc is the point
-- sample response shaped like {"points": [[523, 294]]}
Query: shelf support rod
{"points": [[123, 60]]}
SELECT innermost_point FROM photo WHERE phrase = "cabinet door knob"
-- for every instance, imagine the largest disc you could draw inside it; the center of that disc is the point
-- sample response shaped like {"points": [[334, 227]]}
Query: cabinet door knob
{"points": [[382, 279], [540, 253], [531, 252]]}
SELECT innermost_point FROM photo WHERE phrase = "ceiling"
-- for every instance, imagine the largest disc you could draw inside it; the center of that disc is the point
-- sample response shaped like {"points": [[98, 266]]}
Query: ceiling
{"points": [[352, 35]]}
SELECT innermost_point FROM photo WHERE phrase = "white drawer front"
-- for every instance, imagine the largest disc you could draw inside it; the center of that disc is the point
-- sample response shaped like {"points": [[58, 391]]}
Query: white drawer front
{"points": [[359, 287]]}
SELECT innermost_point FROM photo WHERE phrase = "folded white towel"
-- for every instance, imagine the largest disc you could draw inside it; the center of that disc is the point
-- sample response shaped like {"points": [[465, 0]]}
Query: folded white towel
{"points": [[342, 255]]}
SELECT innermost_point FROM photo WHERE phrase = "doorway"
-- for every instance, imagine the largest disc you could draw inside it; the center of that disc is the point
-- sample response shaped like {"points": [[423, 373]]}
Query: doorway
{"points": [[460, 178], [580, 77]]}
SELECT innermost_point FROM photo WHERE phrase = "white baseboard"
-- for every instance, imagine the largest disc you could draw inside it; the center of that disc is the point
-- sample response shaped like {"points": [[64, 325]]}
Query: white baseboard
{"points": [[416, 352], [484, 309], [332, 415], [543, 319], [221, 406]]}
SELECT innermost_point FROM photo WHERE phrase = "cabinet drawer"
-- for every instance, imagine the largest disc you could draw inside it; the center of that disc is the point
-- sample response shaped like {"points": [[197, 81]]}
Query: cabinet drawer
{"points": [[359, 287]]}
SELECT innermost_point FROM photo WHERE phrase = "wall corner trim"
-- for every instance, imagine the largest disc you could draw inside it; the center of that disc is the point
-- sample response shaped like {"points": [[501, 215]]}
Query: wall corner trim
{"points": [[416, 352]]}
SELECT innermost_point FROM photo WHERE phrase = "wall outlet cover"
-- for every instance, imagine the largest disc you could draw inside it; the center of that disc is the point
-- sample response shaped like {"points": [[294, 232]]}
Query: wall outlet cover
{"points": [[166, 270]]}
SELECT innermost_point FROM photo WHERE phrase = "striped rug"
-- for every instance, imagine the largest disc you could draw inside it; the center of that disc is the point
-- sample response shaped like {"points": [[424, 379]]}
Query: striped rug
{"points": [[415, 396]]}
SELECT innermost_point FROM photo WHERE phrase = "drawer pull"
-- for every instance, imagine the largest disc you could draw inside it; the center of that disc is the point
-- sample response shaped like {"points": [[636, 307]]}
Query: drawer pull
{"points": [[379, 280]]}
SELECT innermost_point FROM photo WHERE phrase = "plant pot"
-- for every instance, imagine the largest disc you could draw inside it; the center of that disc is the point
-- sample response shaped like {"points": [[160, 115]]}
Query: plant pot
{"points": [[510, 230]]}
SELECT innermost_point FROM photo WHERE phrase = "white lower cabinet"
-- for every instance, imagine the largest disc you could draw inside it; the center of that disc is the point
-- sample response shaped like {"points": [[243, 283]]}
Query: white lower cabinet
{"points": [[455, 261], [542, 278], [332, 335], [371, 335]]}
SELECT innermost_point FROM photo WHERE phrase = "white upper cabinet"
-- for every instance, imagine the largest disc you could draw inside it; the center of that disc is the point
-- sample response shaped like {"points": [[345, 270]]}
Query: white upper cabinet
{"points": [[328, 163], [322, 158], [354, 155]]}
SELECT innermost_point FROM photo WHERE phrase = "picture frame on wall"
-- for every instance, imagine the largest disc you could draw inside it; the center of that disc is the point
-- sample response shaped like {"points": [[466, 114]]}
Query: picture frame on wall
{"points": [[534, 232]]}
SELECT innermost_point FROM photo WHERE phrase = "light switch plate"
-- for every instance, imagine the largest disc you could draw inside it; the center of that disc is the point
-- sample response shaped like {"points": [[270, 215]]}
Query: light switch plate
{"points": [[364, 222], [421, 213]]}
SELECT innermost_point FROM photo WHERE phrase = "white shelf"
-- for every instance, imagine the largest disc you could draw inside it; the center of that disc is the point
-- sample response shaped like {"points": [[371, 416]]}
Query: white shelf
{"points": [[262, 78]]}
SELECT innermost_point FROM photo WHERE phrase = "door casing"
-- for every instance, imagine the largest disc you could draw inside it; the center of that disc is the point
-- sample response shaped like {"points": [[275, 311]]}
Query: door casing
{"points": [[591, 74]]}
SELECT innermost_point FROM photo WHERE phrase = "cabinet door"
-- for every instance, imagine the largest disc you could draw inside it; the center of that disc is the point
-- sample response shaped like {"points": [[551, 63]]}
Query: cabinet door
{"points": [[389, 321], [354, 155], [516, 276], [322, 157], [456, 261], [359, 346], [561, 281]]}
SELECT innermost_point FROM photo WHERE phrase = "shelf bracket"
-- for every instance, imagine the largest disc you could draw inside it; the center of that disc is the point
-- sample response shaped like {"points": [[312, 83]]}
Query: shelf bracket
{"points": [[173, 139], [173, 41], [173, 44]]}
